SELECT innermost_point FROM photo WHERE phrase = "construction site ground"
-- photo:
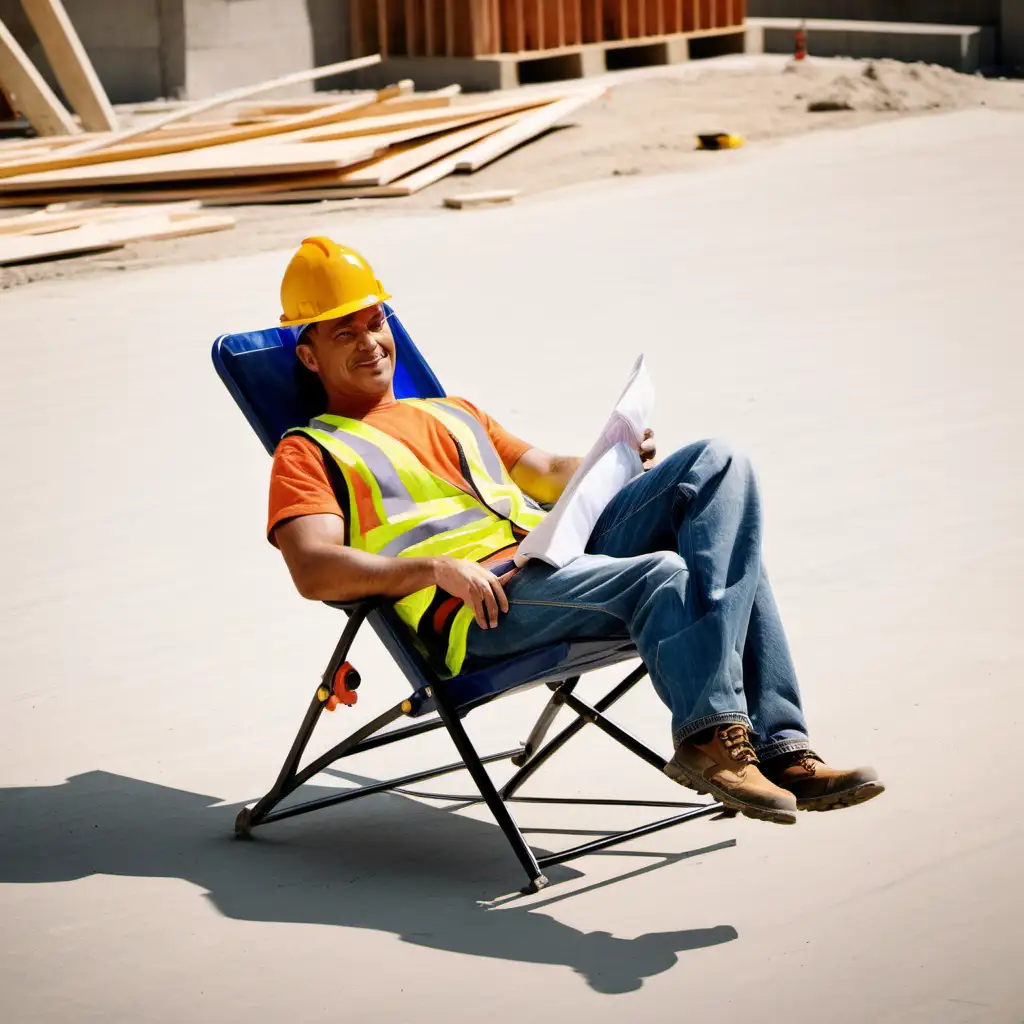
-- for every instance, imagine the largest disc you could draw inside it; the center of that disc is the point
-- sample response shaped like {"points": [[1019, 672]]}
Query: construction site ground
{"points": [[647, 124], [845, 306]]}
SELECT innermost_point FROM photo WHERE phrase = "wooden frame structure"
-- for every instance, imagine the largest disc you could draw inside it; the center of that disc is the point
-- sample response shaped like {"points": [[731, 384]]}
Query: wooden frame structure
{"points": [[487, 28]]}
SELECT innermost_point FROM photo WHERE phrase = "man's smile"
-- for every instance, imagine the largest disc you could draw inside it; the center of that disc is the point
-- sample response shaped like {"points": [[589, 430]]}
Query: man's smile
{"points": [[371, 362]]}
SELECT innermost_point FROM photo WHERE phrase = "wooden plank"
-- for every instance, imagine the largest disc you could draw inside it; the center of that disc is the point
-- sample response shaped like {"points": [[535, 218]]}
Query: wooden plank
{"points": [[71, 64], [241, 159], [69, 158], [357, 27], [95, 237], [593, 21], [468, 200], [224, 98], [29, 92], [383, 42], [255, 162], [386, 169], [449, 28], [54, 218], [527, 127], [312, 195], [462, 113]]}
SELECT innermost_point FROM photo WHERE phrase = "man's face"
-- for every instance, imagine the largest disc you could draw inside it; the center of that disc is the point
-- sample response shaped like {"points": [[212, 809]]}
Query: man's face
{"points": [[354, 356]]}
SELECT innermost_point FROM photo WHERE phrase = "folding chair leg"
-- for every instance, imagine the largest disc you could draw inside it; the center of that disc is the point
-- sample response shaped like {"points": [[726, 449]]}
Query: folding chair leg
{"points": [[559, 741], [250, 816], [490, 794], [546, 720]]}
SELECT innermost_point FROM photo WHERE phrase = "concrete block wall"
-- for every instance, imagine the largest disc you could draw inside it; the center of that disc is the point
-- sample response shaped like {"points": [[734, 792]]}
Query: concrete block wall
{"points": [[125, 39], [146, 49], [229, 43]]}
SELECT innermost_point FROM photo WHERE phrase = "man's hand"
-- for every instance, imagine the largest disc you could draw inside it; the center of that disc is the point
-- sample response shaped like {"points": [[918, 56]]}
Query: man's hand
{"points": [[475, 586], [647, 449]]}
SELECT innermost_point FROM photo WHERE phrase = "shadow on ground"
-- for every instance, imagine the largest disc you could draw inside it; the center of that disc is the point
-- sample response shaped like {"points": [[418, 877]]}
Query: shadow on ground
{"points": [[389, 863]]}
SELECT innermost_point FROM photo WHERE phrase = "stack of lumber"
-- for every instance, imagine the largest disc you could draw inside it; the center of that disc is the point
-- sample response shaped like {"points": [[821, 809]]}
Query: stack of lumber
{"points": [[72, 229], [91, 174], [478, 28], [389, 142]]}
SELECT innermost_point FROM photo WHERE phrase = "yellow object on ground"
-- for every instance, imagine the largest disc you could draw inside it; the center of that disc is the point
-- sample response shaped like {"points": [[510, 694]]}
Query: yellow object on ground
{"points": [[719, 140], [325, 281]]}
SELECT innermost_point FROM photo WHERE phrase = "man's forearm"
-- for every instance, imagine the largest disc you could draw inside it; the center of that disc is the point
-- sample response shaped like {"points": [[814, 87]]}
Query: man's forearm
{"points": [[336, 573], [545, 481], [562, 471]]}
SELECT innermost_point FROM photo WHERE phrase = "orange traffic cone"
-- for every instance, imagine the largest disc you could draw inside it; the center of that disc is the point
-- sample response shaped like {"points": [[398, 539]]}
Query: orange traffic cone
{"points": [[800, 42]]}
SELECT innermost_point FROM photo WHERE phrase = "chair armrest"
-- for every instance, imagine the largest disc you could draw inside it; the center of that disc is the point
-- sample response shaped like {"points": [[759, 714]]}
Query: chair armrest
{"points": [[351, 606]]}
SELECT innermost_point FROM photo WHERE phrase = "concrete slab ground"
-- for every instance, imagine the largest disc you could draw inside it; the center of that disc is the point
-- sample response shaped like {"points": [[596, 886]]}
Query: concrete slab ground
{"points": [[845, 306]]}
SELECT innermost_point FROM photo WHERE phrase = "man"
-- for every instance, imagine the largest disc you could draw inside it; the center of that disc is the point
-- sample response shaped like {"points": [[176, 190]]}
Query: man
{"points": [[425, 501]]}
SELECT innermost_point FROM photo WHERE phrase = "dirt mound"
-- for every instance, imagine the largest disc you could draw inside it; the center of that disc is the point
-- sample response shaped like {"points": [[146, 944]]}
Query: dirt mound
{"points": [[883, 86]]}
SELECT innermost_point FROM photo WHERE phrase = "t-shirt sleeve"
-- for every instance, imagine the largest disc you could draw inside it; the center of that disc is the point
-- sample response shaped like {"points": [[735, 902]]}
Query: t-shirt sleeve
{"points": [[510, 448], [299, 484]]}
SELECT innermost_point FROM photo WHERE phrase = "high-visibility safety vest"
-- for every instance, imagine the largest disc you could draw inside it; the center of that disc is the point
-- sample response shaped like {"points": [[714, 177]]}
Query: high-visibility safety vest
{"points": [[395, 506]]}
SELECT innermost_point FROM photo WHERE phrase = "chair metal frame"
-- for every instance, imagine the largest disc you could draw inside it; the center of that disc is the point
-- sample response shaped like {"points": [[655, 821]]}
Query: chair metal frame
{"points": [[436, 702]]}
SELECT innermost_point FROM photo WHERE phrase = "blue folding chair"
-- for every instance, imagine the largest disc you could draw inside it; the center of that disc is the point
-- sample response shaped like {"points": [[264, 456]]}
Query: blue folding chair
{"points": [[263, 374]]}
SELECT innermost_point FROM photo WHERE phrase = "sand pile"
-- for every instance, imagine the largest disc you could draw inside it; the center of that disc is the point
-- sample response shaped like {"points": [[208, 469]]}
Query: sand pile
{"points": [[884, 86]]}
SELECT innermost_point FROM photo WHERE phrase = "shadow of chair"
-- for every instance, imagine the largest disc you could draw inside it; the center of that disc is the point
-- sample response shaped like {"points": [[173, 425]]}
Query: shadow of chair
{"points": [[389, 863]]}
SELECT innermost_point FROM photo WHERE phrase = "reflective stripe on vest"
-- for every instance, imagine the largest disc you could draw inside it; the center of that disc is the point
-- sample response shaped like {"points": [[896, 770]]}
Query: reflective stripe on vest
{"points": [[397, 507], [498, 490]]}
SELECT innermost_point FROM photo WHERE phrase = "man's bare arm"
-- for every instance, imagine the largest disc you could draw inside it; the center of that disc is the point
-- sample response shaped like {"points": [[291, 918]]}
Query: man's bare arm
{"points": [[543, 476], [324, 569]]}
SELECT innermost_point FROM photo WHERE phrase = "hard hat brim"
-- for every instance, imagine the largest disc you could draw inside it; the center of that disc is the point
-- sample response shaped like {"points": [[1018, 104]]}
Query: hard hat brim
{"points": [[346, 309]]}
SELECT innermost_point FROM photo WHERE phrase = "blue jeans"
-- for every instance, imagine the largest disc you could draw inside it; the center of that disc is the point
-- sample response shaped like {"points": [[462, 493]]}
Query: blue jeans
{"points": [[674, 563]]}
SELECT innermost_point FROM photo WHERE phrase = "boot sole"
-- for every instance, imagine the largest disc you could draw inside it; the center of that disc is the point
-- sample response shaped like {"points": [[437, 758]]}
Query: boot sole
{"points": [[706, 788], [847, 798]]}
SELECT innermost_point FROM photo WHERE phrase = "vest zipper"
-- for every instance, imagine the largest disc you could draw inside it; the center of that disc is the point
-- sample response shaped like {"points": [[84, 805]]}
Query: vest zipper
{"points": [[467, 475]]}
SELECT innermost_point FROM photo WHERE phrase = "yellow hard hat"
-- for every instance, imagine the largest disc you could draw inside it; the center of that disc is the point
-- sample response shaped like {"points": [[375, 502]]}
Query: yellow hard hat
{"points": [[325, 281]]}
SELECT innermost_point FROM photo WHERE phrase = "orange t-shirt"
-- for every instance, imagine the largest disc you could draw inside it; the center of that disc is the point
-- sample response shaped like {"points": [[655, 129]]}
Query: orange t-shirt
{"points": [[300, 485]]}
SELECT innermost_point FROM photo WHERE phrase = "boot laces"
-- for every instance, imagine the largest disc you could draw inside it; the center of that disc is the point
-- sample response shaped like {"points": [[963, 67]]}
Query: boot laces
{"points": [[808, 760], [736, 741]]}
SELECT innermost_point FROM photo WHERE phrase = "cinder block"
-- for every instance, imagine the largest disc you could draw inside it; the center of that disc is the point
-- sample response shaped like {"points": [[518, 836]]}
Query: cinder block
{"points": [[209, 71], [129, 74], [1012, 37], [208, 23], [961, 47], [945, 12], [125, 24]]}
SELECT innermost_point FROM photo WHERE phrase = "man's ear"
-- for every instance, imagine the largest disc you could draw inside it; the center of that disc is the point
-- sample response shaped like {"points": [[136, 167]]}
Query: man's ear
{"points": [[307, 356]]}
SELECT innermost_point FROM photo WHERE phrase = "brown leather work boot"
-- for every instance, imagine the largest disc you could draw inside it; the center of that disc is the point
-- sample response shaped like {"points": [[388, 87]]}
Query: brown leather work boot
{"points": [[724, 766], [818, 787]]}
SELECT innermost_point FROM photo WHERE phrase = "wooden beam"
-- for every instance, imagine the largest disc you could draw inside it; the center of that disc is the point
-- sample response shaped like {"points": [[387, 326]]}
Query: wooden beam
{"points": [[224, 98], [66, 157], [29, 92], [383, 28], [242, 159], [407, 159], [94, 237], [71, 64], [467, 200], [524, 129]]}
